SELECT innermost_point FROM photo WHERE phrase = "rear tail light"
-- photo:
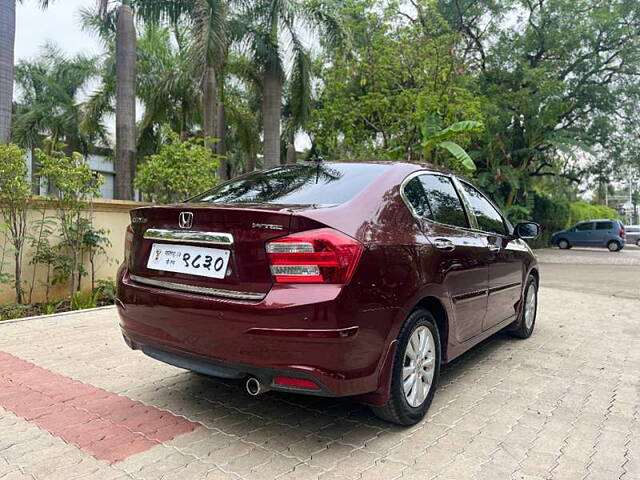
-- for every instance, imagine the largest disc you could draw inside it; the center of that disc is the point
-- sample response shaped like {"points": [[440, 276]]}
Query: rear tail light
{"points": [[621, 232], [128, 244], [315, 256]]}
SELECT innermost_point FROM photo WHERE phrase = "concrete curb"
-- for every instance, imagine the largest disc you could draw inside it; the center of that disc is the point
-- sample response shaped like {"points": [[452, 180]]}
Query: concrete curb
{"points": [[61, 314]]}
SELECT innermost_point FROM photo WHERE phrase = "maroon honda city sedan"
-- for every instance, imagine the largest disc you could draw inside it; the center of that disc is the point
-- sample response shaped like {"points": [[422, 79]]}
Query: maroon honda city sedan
{"points": [[331, 279]]}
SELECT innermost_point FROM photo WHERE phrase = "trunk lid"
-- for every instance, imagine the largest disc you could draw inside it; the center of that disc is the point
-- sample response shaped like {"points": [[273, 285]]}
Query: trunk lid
{"points": [[240, 230]]}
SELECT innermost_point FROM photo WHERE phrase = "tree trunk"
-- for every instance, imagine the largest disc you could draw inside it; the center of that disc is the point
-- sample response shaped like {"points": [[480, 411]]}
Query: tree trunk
{"points": [[209, 99], [291, 153], [221, 146], [18, 275], [125, 103], [35, 168], [7, 43], [271, 107], [251, 162]]}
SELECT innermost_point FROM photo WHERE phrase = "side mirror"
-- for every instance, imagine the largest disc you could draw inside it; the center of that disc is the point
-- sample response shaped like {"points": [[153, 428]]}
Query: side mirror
{"points": [[526, 230]]}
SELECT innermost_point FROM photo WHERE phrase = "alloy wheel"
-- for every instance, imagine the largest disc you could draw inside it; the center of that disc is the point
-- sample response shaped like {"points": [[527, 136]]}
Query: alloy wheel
{"points": [[530, 306], [419, 366]]}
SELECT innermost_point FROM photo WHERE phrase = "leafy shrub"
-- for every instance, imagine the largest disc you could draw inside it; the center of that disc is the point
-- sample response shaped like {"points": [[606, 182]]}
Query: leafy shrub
{"points": [[81, 302], [517, 213], [580, 211], [106, 289], [552, 214], [180, 170]]}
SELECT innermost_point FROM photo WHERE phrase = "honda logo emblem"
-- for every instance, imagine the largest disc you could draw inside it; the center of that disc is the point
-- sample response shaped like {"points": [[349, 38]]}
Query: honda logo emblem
{"points": [[185, 220]]}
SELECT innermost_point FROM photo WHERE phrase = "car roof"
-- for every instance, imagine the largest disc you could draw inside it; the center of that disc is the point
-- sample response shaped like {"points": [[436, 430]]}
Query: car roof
{"points": [[600, 220], [398, 164]]}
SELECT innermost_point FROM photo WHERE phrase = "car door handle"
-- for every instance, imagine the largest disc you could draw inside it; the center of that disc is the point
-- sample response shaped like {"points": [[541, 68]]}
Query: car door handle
{"points": [[493, 247], [444, 244]]}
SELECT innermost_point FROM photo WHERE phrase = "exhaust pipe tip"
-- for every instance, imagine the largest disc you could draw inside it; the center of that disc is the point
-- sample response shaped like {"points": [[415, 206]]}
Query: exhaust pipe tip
{"points": [[254, 387]]}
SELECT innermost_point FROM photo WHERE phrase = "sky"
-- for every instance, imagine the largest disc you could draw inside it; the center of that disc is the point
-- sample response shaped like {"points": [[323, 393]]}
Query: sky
{"points": [[60, 24]]}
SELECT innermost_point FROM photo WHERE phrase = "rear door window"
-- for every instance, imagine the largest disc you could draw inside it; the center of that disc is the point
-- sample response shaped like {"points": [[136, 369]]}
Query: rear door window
{"points": [[583, 227], [444, 204], [604, 226], [489, 219], [311, 184]]}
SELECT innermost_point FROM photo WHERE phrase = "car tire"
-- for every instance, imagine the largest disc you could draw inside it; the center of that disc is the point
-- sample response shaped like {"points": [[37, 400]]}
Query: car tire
{"points": [[614, 246], [638, 243], [523, 327], [409, 407], [564, 244]]}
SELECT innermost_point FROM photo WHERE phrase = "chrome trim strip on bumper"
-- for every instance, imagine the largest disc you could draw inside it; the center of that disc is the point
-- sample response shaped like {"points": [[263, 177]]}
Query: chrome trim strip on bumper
{"points": [[189, 236], [216, 292]]}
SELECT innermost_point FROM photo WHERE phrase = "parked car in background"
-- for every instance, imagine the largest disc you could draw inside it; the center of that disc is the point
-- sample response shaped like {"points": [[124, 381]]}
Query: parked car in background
{"points": [[329, 279], [592, 233], [633, 234]]}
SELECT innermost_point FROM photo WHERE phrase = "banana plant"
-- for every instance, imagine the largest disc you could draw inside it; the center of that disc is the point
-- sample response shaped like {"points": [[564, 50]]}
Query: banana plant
{"points": [[435, 137]]}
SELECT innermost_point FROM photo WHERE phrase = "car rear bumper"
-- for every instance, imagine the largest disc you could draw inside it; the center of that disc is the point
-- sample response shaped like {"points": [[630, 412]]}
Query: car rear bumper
{"points": [[300, 332]]}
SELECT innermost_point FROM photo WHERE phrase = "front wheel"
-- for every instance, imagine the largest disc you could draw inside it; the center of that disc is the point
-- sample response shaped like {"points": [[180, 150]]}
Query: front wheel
{"points": [[523, 327], [416, 367], [614, 246]]}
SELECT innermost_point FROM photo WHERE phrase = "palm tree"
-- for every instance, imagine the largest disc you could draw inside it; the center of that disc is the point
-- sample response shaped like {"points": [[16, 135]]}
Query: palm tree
{"points": [[49, 86], [210, 34], [270, 25], [297, 105], [210, 40], [7, 47], [125, 98]]}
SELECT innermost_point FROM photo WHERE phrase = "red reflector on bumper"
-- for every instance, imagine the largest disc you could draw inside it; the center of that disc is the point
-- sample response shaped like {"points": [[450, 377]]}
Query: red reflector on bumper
{"points": [[296, 382]]}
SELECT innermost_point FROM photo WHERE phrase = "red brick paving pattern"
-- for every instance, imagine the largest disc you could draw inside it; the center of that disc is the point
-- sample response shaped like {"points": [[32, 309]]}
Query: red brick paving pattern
{"points": [[108, 426]]}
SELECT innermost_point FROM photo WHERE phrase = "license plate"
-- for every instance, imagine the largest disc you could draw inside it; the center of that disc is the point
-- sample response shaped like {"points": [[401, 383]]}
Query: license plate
{"points": [[201, 261]]}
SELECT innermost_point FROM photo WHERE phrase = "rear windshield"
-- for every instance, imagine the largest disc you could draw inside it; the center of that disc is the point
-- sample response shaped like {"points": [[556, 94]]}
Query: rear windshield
{"points": [[324, 184]]}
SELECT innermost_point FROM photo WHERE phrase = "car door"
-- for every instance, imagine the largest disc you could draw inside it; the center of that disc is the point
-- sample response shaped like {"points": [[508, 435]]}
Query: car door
{"points": [[583, 235], [459, 256], [603, 232], [506, 258]]}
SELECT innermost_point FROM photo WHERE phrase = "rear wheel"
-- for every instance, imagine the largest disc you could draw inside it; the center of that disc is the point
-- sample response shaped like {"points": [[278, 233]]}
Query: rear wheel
{"points": [[614, 246], [416, 367], [638, 242], [523, 327], [564, 244]]}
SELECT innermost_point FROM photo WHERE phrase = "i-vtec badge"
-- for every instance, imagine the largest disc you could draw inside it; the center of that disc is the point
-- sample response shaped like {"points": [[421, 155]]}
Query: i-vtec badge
{"points": [[267, 226]]}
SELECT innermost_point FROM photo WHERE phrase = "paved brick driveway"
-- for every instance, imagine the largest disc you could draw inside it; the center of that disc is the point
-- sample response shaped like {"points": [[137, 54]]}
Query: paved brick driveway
{"points": [[564, 404]]}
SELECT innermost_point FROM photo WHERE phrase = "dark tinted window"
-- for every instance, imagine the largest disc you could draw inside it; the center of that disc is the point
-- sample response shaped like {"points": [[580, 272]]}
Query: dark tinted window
{"points": [[416, 196], [489, 220], [443, 199], [325, 184], [632, 229], [581, 227], [604, 226]]}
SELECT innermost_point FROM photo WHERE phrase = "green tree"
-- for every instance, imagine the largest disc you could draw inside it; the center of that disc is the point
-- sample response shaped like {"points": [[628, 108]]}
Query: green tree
{"points": [[373, 101], [179, 170], [75, 186], [15, 199], [7, 47], [557, 85]]}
